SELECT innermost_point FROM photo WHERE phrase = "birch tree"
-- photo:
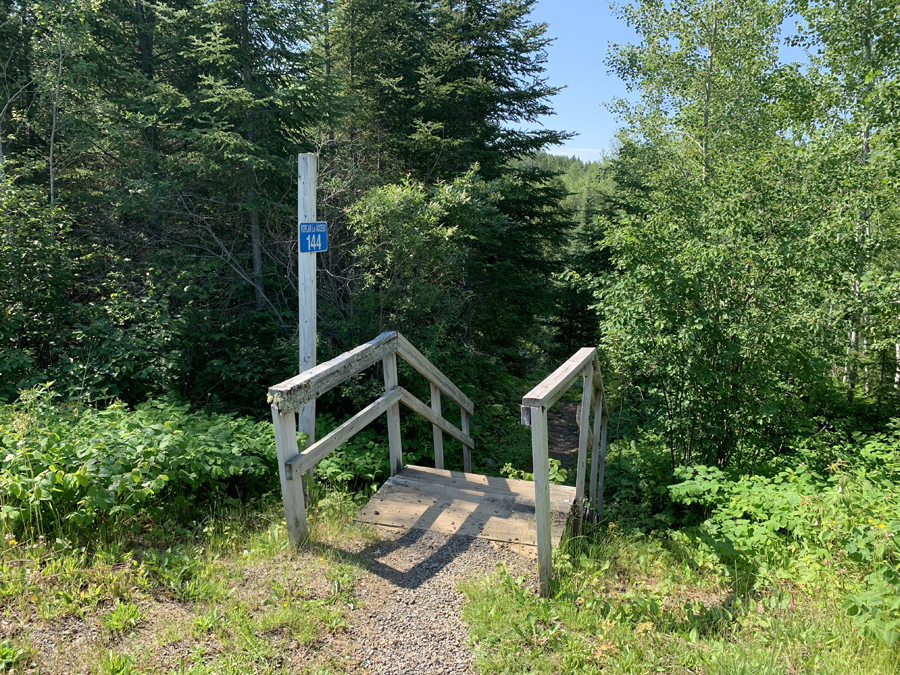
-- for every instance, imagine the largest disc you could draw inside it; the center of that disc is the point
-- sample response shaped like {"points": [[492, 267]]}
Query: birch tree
{"points": [[717, 307]]}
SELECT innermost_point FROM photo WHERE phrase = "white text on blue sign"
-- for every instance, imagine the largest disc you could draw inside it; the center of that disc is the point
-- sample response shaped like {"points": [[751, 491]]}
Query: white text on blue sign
{"points": [[313, 237]]}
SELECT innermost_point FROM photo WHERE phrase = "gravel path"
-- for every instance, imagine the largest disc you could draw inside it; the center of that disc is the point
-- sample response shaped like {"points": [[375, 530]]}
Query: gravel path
{"points": [[409, 619], [563, 434]]}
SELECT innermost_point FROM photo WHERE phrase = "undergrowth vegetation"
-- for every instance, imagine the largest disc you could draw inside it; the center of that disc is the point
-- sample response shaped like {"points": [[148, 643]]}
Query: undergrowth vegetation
{"points": [[793, 569], [220, 592], [79, 470]]}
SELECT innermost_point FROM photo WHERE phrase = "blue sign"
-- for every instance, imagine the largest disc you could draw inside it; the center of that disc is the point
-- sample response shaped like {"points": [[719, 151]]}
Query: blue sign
{"points": [[313, 237]]}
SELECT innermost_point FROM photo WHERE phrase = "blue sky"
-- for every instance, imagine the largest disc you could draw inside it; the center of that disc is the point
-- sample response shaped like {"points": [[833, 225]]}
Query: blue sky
{"points": [[583, 30]]}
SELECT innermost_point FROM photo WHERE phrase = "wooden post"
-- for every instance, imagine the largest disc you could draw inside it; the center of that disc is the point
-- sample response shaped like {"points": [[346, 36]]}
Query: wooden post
{"points": [[541, 465], [587, 389], [395, 444], [291, 490], [307, 168], [599, 505], [467, 451], [438, 434], [595, 450]]}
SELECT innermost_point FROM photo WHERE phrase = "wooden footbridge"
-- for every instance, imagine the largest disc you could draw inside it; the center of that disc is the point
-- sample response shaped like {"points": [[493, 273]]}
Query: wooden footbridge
{"points": [[520, 512]]}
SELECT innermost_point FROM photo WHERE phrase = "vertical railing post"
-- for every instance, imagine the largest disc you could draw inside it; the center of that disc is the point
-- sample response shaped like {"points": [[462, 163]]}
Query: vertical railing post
{"points": [[436, 430], [598, 508], [467, 451], [541, 466], [587, 390], [599, 406], [291, 490], [395, 444]]}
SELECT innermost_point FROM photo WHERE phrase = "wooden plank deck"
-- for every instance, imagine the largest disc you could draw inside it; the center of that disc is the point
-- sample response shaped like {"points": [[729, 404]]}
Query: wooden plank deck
{"points": [[452, 502]]}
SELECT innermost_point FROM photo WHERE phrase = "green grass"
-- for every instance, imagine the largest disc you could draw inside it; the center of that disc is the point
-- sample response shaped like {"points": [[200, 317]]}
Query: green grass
{"points": [[123, 617], [629, 603], [226, 595]]}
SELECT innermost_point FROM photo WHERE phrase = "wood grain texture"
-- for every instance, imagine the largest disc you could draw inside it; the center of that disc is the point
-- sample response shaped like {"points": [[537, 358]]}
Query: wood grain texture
{"points": [[451, 502], [291, 490], [307, 176], [541, 467], [395, 441], [314, 453], [436, 430], [558, 382], [292, 394], [561, 496]]}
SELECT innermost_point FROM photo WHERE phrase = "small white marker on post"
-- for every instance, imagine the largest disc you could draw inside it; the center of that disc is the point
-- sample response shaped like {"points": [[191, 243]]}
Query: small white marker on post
{"points": [[307, 169]]}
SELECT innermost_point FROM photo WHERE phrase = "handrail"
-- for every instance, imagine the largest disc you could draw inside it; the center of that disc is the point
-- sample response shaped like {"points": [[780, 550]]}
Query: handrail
{"points": [[306, 460], [415, 358], [292, 394], [416, 405], [551, 389], [288, 397], [535, 405]]}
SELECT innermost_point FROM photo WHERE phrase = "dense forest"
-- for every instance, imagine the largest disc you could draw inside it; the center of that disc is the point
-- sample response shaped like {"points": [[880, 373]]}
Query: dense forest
{"points": [[735, 258]]}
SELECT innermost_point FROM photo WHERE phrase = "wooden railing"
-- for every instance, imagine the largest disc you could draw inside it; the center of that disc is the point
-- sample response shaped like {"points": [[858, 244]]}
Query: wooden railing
{"points": [[534, 414], [288, 397]]}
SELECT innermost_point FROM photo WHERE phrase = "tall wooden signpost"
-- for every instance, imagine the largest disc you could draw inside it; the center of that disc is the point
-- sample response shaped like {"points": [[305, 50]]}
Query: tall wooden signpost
{"points": [[312, 237]]}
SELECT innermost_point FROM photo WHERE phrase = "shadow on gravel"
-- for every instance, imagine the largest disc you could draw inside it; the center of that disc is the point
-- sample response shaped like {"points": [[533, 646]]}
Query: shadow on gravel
{"points": [[413, 544], [422, 570]]}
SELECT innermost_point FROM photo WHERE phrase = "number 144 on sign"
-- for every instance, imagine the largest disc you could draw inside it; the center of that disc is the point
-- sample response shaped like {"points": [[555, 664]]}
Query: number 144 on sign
{"points": [[313, 237]]}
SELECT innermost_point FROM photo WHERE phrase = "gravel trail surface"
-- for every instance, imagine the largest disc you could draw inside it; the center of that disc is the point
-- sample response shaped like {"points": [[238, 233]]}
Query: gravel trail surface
{"points": [[409, 619]]}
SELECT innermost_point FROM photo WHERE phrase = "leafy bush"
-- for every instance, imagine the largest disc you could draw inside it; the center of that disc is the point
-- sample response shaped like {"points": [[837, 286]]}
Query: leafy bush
{"points": [[65, 465], [557, 474], [836, 527]]}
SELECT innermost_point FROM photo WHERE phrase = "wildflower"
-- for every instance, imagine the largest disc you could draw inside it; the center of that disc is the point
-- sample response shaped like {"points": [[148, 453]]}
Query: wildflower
{"points": [[9, 458]]}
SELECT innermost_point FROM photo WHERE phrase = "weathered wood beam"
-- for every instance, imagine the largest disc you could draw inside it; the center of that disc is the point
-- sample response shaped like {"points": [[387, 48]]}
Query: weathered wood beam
{"points": [[415, 358], [584, 413], [467, 449], [553, 387], [598, 381], [292, 394], [303, 461], [599, 406], [416, 405], [395, 441], [541, 465], [291, 490], [598, 506], [436, 430]]}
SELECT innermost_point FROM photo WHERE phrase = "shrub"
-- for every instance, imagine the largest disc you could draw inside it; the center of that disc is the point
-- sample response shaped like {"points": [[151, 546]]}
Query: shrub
{"points": [[65, 465], [836, 526]]}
